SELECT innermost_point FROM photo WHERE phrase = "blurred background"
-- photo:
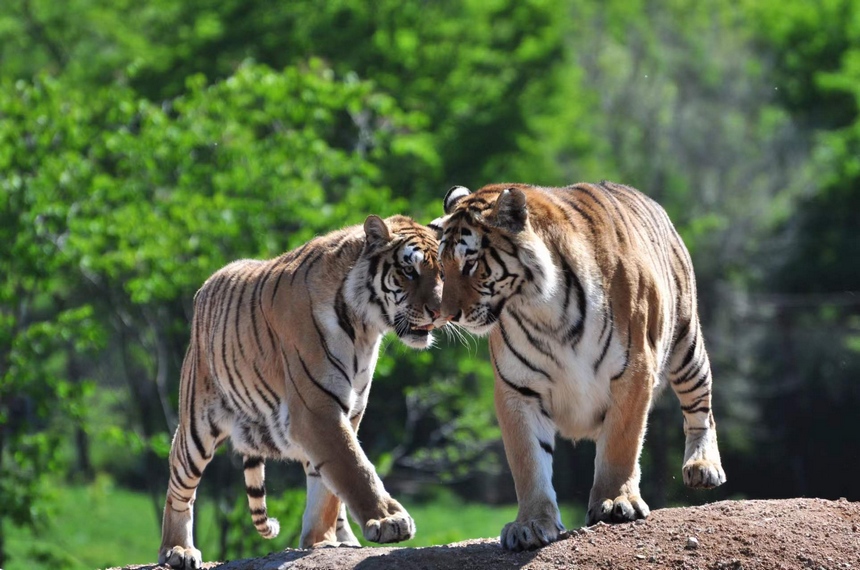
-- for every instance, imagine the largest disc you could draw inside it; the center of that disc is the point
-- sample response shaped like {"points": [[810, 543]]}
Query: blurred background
{"points": [[146, 143]]}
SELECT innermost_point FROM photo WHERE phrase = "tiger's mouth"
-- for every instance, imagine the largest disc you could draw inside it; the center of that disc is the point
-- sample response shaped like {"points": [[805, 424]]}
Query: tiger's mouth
{"points": [[411, 334]]}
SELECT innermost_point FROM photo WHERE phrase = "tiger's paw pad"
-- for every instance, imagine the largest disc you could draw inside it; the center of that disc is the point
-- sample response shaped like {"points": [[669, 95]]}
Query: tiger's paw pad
{"points": [[181, 558], [528, 535], [624, 508], [703, 474], [394, 528]]}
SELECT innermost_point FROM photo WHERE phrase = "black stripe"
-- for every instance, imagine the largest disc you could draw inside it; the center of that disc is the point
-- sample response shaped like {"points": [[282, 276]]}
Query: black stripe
{"points": [[214, 430], [702, 380], [545, 446], [626, 355], [694, 406], [230, 379], [255, 306], [689, 356], [506, 274], [523, 390], [683, 331], [340, 310], [260, 511], [252, 462], [574, 334], [309, 259], [262, 381], [516, 353], [608, 317], [331, 357], [256, 492], [192, 427], [251, 403], [331, 394], [238, 331], [690, 374], [215, 307], [293, 380], [177, 478], [535, 342]]}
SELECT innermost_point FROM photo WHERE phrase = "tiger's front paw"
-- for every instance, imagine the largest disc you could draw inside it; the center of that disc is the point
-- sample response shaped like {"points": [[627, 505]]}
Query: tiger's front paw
{"points": [[624, 508], [703, 474], [181, 558], [395, 526], [530, 534]]}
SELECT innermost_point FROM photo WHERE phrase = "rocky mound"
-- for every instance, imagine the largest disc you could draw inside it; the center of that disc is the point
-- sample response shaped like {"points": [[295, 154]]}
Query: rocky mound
{"points": [[770, 535]]}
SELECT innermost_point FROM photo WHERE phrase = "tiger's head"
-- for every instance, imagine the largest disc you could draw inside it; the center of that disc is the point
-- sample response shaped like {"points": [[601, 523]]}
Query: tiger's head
{"points": [[401, 281], [490, 255]]}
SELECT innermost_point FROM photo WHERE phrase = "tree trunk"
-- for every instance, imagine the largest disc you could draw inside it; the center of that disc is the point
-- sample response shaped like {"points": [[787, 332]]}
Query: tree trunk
{"points": [[82, 441]]}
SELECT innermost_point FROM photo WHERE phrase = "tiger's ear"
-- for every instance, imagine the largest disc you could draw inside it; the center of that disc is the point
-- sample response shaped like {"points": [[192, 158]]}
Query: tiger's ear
{"points": [[510, 212], [453, 196], [376, 231], [437, 225]]}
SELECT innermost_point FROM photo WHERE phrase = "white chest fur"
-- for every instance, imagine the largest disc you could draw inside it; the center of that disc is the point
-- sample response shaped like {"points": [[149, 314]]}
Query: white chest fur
{"points": [[562, 350]]}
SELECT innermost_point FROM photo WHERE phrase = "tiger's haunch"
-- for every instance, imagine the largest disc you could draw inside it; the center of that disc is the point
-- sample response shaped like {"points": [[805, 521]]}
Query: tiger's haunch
{"points": [[589, 298]]}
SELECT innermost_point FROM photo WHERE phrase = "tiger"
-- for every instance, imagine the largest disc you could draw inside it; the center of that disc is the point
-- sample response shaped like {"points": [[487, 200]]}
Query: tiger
{"points": [[280, 361], [588, 296]]}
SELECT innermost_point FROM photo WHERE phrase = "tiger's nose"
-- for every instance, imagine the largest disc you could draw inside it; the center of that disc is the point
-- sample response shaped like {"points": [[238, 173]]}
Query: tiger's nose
{"points": [[434, 313], [453, 317]]}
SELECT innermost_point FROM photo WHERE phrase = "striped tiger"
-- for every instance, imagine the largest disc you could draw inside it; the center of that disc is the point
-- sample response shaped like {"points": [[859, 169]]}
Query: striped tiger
{"points": [[280, 361], [588, 295]]}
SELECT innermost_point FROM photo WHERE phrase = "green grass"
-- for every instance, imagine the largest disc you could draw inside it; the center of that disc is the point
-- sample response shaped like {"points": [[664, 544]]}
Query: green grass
{"points": [[99, 526], [94, 527]]}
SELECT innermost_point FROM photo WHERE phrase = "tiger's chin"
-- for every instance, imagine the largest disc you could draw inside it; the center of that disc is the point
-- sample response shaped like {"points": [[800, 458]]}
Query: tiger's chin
{"points": [[416, 338]]}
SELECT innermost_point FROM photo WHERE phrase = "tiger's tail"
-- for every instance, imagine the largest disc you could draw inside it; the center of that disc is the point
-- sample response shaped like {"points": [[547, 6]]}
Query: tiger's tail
{"points": [[255, 487]]}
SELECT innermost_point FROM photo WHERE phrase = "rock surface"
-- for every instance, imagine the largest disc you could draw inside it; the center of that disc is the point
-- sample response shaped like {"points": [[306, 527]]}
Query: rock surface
{"points": [[774, 534]]}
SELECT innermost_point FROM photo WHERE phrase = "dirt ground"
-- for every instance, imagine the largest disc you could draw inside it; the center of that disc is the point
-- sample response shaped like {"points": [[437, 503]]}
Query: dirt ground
{"points": [[771, 535]]}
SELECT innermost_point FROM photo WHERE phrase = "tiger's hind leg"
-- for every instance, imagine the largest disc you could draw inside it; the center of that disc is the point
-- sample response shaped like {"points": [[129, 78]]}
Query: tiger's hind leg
{"points": [[194, 443], [324, 522], [690, 377]]}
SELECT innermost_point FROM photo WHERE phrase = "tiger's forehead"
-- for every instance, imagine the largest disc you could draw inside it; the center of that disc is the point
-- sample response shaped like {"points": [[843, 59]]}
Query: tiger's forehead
{"points": [[417, 254], [460, 240], [411, 254]]}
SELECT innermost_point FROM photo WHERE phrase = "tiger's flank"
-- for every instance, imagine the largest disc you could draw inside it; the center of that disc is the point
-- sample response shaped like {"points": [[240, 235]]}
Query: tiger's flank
{"points": [[589, 298], [280, 362]]}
